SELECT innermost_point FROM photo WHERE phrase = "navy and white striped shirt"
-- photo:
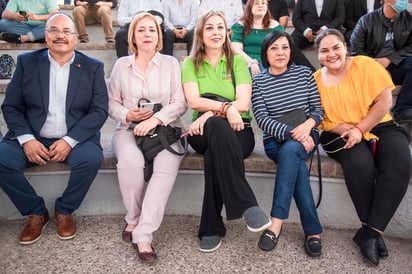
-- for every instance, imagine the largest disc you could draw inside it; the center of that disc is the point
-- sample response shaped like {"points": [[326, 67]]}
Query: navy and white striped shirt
{"points": [[275, 95]]}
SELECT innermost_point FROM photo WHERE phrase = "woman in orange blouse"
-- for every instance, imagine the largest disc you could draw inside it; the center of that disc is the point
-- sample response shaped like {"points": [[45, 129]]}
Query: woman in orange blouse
{"points": [[359, 133]]}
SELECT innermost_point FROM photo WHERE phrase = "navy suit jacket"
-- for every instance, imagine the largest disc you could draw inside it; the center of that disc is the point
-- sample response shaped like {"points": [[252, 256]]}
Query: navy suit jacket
{"points": [[305, 15], [26, 102]]}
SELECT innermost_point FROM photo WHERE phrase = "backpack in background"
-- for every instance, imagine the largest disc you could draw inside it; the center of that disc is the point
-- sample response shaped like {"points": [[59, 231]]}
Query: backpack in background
{"points": [[7, 65]]}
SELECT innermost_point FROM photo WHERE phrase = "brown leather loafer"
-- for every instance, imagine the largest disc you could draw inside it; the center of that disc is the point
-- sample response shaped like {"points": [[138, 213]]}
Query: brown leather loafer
{"points": [[147, 256], [66, 228], [34, 228], [126, 235]]}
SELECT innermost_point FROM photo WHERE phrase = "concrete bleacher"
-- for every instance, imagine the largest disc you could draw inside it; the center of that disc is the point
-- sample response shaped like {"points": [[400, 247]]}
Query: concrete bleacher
{"points": [[336, 209]]}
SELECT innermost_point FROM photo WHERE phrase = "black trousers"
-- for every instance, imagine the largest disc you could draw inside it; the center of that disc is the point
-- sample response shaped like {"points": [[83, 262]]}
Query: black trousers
{"points": [[377, 184], [225, 181], [169, 38], [121, 45]]}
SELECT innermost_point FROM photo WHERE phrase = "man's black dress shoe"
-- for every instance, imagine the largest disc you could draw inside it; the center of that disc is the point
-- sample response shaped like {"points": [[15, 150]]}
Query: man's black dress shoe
{"points": [[368, 246], [11, 37], [382, 250]]}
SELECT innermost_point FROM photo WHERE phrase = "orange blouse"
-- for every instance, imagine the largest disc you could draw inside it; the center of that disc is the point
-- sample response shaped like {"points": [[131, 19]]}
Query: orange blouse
{"points": [[349, 101]]}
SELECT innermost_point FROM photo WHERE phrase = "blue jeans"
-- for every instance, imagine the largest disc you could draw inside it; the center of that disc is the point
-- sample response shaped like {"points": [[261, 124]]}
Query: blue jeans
{"points": [[19, 28], [84, 160], [292, 180]]}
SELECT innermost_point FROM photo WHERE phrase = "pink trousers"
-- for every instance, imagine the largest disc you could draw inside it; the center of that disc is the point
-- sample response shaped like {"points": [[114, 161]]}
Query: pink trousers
{"points": [[145, 206]]}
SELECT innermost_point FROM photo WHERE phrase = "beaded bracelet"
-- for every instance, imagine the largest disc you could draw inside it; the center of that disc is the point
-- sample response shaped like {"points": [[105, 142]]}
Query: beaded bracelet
{"points": [[223, 107], [227, 107]]}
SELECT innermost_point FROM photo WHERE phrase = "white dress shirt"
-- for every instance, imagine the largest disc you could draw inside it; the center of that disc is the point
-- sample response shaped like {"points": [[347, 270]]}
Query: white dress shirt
{"points": [[129, 8], [184, 14], [319, 6], [233, 9], [370, 4], [55, 124]]}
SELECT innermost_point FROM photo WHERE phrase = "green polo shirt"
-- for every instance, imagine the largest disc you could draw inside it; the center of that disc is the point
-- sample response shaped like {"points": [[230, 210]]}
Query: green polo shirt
{"points": [[252, 43], [217, 81], [39, 7]]}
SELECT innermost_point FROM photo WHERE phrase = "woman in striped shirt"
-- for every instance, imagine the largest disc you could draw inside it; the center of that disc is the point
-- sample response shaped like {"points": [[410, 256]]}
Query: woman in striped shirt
{"points": [[281, 88]]}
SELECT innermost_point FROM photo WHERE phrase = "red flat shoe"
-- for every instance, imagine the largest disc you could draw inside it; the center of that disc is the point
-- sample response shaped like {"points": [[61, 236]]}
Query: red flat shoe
{"points": [[147, 256], [126, 235]]}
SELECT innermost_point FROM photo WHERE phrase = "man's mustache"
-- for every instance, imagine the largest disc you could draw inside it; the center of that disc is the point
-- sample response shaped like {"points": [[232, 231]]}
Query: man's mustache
{"points": [[60, 40]]}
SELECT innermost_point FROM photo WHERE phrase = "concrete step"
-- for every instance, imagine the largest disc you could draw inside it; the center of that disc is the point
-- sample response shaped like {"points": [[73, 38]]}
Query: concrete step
{"points": [[104, 198], [97, 48]]}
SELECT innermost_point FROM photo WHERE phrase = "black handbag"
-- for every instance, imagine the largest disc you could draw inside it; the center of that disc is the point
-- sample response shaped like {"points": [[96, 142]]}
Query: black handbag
{"points": [[158, 139], [293, 118], [161, 138]]}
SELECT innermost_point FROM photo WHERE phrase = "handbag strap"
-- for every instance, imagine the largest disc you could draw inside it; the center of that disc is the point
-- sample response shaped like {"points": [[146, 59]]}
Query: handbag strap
{"points": [[319, 173], [165, 144]]}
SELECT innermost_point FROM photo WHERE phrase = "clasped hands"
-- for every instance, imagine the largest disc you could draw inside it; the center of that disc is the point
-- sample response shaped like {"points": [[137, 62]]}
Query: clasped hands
{"points": [[232, 115], [180, 33], [311, 36], [86, 4], [301, 133], [37, 153], [23, 18]]}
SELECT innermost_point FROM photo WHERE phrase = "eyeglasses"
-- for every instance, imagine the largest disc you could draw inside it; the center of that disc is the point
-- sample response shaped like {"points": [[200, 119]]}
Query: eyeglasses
{"points": [[330, 147], [65, 32]]}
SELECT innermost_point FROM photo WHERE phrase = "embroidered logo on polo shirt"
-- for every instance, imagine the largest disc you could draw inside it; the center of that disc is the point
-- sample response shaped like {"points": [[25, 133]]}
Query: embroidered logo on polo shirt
{"points": [[226, 75]]}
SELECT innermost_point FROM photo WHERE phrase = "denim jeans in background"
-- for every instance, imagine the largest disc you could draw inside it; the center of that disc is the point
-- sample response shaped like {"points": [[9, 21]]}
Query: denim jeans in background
{"points": [[292, 180], [19, 28], [67, 2]]}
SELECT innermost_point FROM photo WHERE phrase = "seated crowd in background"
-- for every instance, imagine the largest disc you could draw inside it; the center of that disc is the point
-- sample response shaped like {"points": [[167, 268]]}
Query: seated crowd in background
{"points": [[179, 23], [91, 12], [24, 22]]}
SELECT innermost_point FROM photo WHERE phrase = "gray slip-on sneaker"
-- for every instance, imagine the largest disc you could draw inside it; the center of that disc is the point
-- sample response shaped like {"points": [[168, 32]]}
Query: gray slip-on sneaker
{"points": [[256, 219], [210, 243]]}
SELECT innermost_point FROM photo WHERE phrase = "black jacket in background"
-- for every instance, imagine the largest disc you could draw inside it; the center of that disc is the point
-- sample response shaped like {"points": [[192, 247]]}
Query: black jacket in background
{"points": [[368, 37]]}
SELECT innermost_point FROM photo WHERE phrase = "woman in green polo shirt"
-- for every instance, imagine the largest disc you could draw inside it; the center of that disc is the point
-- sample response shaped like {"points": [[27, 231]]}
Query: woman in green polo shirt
{"points": [[249, 32], [221, 129]]}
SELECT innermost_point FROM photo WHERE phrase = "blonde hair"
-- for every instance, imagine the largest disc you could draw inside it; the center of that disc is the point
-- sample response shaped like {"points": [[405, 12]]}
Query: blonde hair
{"points": [[133, 24], [198, 50]]}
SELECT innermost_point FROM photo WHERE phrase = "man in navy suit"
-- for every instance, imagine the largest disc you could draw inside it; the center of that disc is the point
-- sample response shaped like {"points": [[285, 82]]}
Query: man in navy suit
{"points": [[54, 107]]}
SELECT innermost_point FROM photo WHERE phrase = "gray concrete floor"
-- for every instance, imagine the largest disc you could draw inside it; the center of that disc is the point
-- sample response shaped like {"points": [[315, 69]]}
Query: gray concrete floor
{"points": [[98, 248]]}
